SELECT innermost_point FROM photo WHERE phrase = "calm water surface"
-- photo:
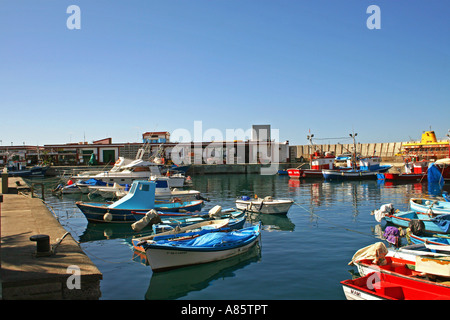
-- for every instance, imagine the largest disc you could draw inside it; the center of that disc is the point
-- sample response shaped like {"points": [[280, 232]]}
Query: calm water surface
{"points": [[303, 255]]}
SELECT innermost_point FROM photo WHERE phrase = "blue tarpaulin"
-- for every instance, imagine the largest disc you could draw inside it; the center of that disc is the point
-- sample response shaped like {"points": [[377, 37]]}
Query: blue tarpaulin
{"points": [[213, 239], [435, 180], [443, 221]]}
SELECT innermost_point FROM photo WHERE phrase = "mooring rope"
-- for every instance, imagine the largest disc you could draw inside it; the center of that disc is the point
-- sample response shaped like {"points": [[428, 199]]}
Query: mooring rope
{"points": [[330, 222]]}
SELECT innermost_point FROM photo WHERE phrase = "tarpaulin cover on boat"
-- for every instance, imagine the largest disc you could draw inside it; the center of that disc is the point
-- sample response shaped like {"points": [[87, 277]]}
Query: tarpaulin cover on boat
{"points": [[95, 182], [213, 239], [375, 252], [443, 221], [434, 174]]}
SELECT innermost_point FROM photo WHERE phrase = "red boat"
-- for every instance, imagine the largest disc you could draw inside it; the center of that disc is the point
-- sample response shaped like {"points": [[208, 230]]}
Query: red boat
{"points": [[318, 162], [403, 268], [413, 171], [383, 286]]}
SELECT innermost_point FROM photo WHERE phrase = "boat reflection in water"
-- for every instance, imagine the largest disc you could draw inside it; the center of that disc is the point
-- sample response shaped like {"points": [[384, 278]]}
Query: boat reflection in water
{"points": [[272, 222], [177, 283], [107, 231]]}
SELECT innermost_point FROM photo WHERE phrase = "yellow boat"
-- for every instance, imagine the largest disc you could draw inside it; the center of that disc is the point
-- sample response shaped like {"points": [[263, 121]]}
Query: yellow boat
{"points": [[428, 148]]}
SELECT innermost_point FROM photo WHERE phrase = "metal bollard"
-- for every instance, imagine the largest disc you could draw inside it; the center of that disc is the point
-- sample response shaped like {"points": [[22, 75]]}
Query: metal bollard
{"points": [[42, 245]]}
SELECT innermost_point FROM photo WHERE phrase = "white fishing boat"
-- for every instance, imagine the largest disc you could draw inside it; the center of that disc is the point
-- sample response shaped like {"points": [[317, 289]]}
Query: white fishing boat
{"points": [[266, 205], [125, 171], [162, 191], [166, 254]]}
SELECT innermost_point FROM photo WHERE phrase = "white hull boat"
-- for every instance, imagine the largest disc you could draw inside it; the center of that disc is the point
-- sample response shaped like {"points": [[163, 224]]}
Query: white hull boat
{"points": [[170, 254], [125, 171], [266, 205]]}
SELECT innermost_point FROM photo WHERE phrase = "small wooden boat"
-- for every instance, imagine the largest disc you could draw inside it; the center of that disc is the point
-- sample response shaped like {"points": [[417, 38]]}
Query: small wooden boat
{"points": [[266, 205], [209, 225], [429, 206], [436, 224], [170, 253], [384, 286], [170, 222], [409, 252], [437, 239], [420, 269]]}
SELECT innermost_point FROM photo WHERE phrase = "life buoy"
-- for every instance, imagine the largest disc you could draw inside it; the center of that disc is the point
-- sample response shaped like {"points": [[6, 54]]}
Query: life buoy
{"points": [[107, 217], [117, 162]]}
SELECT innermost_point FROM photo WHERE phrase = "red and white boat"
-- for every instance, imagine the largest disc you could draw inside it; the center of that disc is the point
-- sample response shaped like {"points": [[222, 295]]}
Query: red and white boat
{"points": [[409, 277], [318, 162], [384, 286], [413, 171]]}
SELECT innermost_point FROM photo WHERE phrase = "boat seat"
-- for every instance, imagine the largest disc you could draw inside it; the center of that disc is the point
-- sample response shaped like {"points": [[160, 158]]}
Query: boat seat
{"points": [[403, 269], [391, 290]]}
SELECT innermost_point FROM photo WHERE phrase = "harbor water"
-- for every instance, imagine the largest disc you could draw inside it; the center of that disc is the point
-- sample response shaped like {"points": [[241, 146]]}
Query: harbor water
{"points": [[303, 255]]}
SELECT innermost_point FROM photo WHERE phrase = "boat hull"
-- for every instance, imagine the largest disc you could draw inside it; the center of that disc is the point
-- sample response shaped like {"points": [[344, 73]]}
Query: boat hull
{"points": [[348, 175], [95, 212], [383, 286], [269, 207], [404, 219], [305, 173], [430, 240], [393, 176]]}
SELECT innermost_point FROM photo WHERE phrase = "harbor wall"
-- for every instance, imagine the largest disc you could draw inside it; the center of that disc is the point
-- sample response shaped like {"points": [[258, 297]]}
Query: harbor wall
{"points": [[386, 150]]}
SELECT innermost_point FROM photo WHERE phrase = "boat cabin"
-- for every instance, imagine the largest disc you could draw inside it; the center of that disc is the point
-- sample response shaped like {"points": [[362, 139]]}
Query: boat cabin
{"points": [[321, 160], [162, 185], [322, 163], [141, 195]]}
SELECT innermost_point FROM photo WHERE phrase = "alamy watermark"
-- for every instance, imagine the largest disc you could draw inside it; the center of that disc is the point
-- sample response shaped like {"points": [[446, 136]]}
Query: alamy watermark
{"points": [[73, 22], [258, 145], [73, 281]]}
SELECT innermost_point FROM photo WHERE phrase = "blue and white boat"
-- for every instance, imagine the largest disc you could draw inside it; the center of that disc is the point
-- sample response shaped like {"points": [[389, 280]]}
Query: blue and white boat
{"points": [[170, 253], [436, 224], [368, 168], [225, 224], [133, 206], [429, 206], [236, 220], [443, 240]]}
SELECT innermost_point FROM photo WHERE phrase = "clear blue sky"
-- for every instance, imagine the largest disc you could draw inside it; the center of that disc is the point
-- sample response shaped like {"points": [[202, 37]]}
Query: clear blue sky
{"points": [[298, 65]]}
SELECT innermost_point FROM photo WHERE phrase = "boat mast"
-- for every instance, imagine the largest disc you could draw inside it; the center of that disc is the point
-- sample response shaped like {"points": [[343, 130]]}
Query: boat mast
{"points": [[354, 150], [311, 152]]}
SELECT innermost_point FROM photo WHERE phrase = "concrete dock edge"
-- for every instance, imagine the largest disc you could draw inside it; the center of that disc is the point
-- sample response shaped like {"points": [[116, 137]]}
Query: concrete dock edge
{"points": [[65, 274]]}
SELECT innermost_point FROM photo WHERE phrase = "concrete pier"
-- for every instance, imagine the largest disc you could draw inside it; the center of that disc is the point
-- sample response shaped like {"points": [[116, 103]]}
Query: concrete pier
{"points": [[26, 273]]}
